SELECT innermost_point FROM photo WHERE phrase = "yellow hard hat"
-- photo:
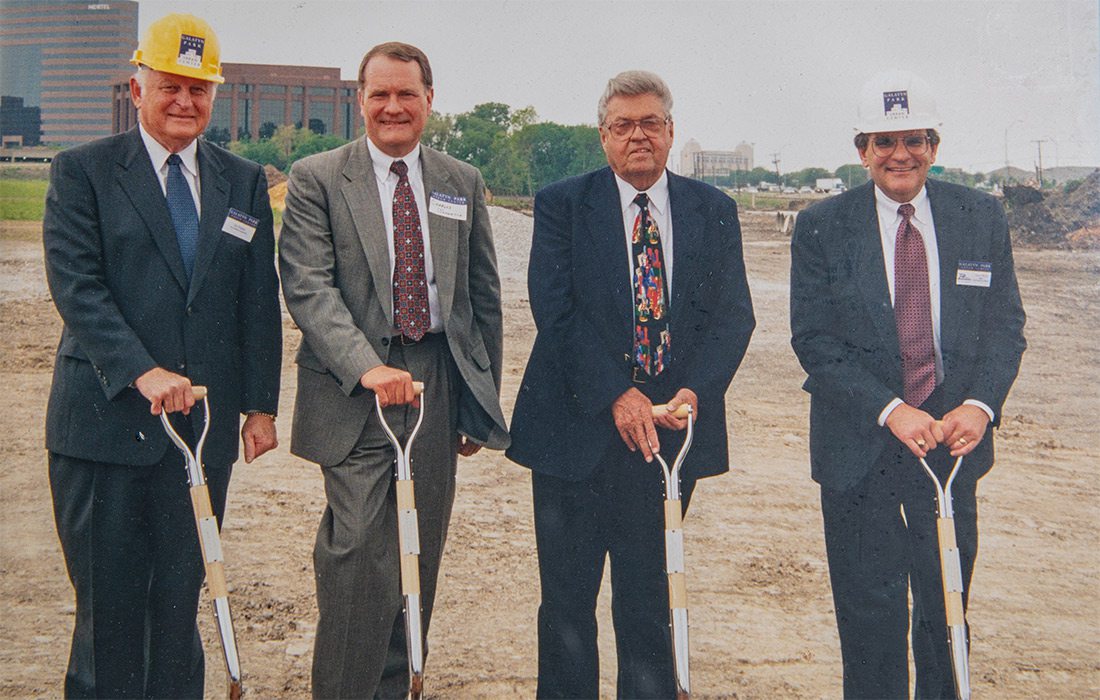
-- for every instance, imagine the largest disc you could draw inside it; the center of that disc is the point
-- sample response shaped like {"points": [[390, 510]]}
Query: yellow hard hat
{"points": [[181, 44]]}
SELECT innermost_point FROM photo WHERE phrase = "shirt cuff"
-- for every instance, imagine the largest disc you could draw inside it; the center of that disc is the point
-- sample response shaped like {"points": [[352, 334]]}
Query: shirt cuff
{"points": [[888, 410], [979, 404]]}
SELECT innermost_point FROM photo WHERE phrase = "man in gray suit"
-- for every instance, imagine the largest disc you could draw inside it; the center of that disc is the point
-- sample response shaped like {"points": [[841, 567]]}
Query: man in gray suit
{"points": [[389, 270]]}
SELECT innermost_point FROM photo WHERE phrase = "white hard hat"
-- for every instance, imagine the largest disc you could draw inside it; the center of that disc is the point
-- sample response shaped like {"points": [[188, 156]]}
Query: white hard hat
{"points": [[896, 100]]}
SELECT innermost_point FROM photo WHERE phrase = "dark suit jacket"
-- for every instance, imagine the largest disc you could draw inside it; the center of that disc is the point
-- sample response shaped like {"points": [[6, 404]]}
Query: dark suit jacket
{"points": [[581, 299], [117, 278], [844, 333], [337, 283]]}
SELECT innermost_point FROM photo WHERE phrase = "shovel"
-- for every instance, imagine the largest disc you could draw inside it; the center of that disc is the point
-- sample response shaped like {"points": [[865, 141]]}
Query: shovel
{"points": [[408, 537], [674, 552], [951, 568], [210, 541]]}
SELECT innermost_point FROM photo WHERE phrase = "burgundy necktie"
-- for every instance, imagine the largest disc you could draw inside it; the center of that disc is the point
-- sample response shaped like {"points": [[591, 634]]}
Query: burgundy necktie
{"points": [[913, 311], [651, 322], [410, 282]]}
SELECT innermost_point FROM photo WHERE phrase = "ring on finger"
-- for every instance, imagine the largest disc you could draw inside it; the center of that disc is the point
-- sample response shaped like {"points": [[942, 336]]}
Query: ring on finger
{"points": [[920, 444], [962, 441]]}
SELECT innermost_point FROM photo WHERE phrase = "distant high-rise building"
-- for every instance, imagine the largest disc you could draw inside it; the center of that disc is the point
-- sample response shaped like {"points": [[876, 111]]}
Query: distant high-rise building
{"points": [[19, 125], [700, 164], [63, 57], [258, 98]]}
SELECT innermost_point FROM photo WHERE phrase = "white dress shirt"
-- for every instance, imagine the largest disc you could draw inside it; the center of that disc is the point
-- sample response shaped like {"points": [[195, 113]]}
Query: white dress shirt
{"points": [[659, 212], [387, 186], [158, 154], [889, 220]]}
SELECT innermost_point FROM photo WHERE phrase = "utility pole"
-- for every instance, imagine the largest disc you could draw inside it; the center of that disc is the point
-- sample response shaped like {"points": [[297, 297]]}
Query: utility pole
{"points": [[775, 161], [1039, 145]]}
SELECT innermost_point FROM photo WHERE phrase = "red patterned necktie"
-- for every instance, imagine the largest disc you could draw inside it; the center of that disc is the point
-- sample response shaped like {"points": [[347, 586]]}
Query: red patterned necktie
{"points": [[410, 282], [651, 318], [913, 311]]}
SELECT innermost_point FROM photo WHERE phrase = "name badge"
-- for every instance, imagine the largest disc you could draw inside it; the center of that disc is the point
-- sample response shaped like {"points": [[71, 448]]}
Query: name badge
{"points": [[974, 274], [241, 225], [448, 206]]}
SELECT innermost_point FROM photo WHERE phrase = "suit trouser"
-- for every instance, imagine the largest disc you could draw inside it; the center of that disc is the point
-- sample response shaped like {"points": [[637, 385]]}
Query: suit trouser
{"points": [[876, 553], [360, 646], [618, 512], [128, 535]]}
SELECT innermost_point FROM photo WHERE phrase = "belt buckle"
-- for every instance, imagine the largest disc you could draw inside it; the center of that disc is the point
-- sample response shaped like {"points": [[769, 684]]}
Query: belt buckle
{"points": [[406, 340], [638, 375]]}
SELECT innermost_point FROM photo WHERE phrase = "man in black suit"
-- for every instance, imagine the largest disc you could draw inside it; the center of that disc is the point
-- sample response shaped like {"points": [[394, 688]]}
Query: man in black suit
{"points": [[160, 258], [906, 315], [638, 290]]}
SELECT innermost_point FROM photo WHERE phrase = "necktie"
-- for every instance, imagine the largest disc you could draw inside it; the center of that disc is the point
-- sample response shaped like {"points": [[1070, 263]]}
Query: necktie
{"points": [[913, 311], [185, 218], [651, 317], [410, 282]]}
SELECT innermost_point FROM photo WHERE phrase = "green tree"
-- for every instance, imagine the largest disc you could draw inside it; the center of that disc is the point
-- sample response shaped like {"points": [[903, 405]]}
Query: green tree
{"points": [[438, 131], [263, 152], [852, 175], [807, 177]]}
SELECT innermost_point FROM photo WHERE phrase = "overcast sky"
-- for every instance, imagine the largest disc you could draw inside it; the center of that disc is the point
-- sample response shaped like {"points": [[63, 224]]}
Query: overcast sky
{"points": [[782, 75]]}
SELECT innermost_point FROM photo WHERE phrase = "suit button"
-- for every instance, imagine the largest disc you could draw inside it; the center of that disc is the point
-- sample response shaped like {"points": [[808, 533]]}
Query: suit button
{"points": [[190, 311], [385, 341], [181, 366], [139, 436]]}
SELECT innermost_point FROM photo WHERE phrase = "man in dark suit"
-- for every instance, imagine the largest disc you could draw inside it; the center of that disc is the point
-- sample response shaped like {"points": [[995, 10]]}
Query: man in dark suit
{"points": [[906, 315], [156, 294], [389, 269], [638, 300]]}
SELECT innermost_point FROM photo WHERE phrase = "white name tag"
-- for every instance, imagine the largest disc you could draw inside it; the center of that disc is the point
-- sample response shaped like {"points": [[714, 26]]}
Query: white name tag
{"points": [[974, 274], [448, 206], [241, 225]]}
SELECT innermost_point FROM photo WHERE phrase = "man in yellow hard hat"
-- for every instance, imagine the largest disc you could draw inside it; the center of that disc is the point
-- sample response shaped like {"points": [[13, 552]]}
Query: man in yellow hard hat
{"points": [[905, 314], [160, 258]]}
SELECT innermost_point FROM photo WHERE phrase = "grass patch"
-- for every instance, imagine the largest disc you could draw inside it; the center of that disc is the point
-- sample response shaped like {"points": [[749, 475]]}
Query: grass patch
{"points": [[524, 205], [22, 200]]}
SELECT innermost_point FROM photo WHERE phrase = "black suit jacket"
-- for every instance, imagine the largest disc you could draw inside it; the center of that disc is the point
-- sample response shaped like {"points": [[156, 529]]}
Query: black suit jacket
{"points": [[844, 333], [581, 299], [117, 278]]}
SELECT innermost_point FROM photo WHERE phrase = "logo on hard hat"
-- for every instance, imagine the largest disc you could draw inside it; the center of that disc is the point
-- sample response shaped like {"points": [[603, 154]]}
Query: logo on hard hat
{"points": [[895, 104], [191, 48]]}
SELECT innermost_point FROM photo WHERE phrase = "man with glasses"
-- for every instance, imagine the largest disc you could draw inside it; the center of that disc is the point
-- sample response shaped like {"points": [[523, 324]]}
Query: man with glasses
{"points": [[638, 290], [906, 316]]}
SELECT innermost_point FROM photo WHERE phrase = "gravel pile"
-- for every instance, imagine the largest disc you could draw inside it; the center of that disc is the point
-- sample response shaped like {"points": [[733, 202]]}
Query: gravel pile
{"points": [[512, 237]]}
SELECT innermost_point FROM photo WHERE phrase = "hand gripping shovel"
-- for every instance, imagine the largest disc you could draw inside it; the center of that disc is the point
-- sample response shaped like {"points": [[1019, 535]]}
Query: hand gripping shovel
{"points": [[951, 567], [408, 537], [210, 541], [674, 553]]}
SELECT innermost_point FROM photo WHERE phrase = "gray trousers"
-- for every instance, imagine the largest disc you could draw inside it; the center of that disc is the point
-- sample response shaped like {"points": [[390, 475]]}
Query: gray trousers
{"points": [[360, 651]]}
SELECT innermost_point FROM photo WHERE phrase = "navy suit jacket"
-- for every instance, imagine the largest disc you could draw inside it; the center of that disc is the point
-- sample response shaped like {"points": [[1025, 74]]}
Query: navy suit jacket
{"points": [[844, 333], [581, 298], [116, 275]]}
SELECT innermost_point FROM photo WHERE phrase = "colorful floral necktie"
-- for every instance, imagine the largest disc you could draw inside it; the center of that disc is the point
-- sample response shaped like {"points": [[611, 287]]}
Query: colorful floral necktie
{"points": [[651, 317]]}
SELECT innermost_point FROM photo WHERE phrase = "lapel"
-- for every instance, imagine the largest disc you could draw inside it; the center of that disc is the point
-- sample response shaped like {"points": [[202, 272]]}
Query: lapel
{"points": [[864, 248], [443, 232], [214, 192], [135, 177], [606, 238], [360, 190], [688, 227], [951, 225]]}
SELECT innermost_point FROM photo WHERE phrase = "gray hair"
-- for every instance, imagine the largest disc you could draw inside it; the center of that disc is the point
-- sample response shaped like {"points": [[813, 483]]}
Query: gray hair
{"points": [[635, 82], [142, 74]]}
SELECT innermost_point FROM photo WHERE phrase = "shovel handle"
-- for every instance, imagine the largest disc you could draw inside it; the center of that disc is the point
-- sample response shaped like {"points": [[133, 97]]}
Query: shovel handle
{"points": [[198, 392], [661, 409]]}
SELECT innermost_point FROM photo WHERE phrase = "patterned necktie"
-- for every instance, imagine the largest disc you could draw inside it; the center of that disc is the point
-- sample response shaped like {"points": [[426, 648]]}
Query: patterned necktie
{"points": [[185, 218], [913, 311], [651, 313], [410, 282]]}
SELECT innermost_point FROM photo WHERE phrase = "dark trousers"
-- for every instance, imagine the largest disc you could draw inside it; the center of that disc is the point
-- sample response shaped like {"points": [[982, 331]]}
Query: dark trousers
{"points": [[876, 553], [359, 651], [128, 535], [616, 512]]}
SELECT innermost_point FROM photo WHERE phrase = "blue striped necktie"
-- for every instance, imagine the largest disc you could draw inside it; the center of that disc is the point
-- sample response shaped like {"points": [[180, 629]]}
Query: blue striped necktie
{"points": [[185, 218]]}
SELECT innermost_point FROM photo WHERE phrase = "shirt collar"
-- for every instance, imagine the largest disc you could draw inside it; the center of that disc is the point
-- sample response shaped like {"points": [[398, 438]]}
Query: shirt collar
{"points": [[159, 154], [657, 193], [382, 161], [922, 208]]}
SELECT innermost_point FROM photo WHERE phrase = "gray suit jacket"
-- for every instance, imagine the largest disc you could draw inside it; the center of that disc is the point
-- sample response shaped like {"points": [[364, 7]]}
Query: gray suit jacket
{"points": [[336, 277]]}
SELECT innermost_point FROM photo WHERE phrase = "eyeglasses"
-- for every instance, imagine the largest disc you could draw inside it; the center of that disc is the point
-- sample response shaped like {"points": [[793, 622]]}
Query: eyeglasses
{"points": [[624, 128], [886, 145]]}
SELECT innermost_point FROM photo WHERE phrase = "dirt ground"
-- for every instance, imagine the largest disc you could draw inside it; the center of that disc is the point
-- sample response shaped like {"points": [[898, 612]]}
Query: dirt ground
{"points": [[761, 613]]}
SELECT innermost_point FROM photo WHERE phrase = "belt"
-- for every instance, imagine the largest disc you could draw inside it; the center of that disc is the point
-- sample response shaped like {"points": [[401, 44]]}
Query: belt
{"points": [[403, 339]]}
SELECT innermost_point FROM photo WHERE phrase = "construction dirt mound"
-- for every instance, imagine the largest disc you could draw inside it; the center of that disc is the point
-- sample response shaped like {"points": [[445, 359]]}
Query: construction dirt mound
{"points": [[1056, 219]]}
